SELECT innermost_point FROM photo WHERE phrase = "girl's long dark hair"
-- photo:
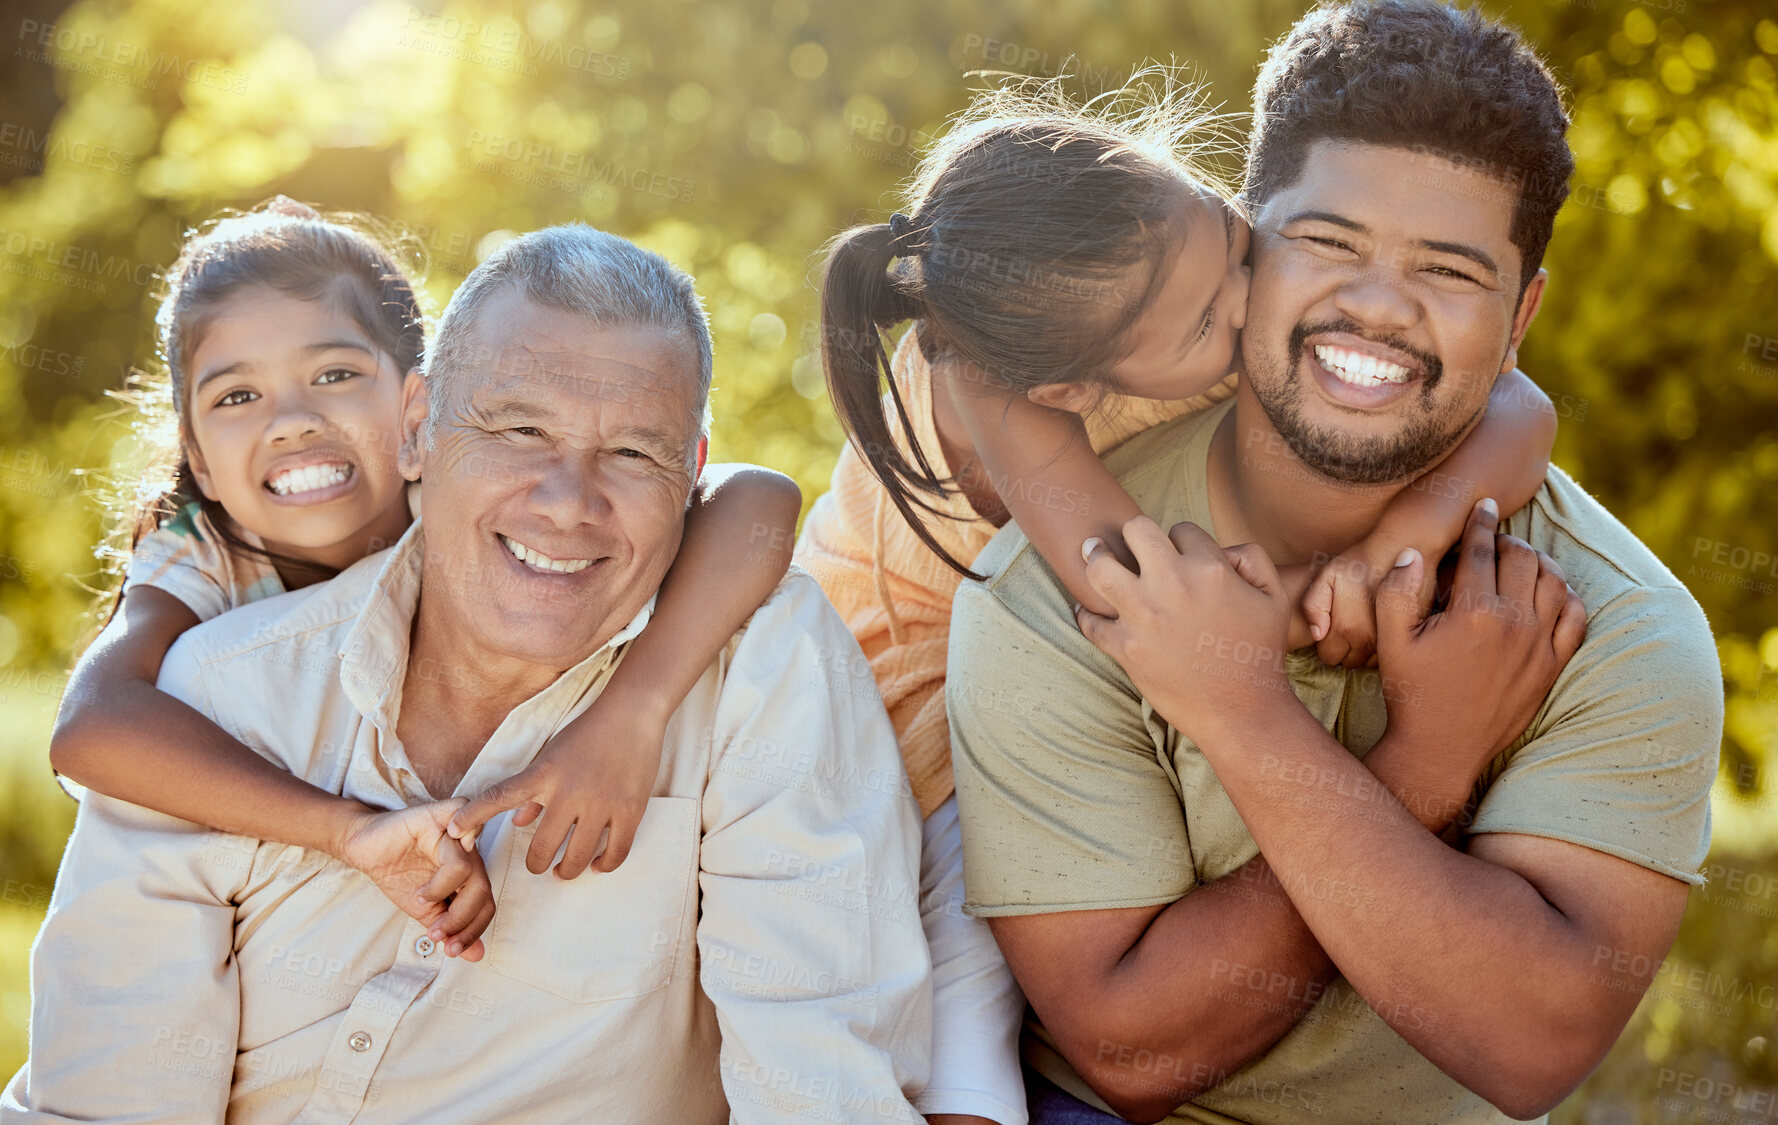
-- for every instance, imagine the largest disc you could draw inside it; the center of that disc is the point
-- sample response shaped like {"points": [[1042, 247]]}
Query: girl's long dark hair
{"points": [[289, 247], [1034, 229]]}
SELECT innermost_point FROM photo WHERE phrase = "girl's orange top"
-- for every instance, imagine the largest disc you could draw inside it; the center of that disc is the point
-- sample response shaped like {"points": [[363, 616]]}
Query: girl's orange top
{"points": [[895, 593]]}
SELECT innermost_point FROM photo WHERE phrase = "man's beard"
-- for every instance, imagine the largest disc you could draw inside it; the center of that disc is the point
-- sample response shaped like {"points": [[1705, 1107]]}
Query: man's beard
{"points": [[1416, 445]]}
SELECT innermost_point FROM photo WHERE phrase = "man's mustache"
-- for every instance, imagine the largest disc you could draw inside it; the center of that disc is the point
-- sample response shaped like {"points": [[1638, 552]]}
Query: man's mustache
{"points": [[1430, 364]]}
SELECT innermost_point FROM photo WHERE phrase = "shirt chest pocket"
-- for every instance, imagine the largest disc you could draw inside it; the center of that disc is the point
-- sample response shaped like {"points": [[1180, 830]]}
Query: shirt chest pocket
{"points": [[601, 936]]}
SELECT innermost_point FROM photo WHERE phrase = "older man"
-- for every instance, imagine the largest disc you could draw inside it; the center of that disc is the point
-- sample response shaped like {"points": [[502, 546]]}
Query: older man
{"points": [[760, 952], [1220, 877]]}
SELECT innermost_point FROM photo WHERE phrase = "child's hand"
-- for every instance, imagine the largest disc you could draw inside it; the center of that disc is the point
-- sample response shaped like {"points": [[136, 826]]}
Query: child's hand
{"points": [[1340, 605], [1465, 682], [1201, 632], [406, 853], [596, 773]]}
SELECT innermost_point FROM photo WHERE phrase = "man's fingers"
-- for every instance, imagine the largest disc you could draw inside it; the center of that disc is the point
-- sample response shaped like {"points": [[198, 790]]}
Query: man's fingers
{"points": [[1551, 592], [1571, 628], [526, 813], [1516, 571], [1398, 599], [1106, 574], [581, 845], [1096, 629], [547, 840], [1147, 542], [1252, 563], [1188, 539], [1475, 563], [1428, 595], [617, 848]]}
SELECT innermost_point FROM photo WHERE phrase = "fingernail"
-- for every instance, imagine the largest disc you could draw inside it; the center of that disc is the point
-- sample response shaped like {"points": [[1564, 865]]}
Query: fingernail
{"points": [[1489, 506], [1407, 557], [455, 948], [1077, 609], [1087, 548]]}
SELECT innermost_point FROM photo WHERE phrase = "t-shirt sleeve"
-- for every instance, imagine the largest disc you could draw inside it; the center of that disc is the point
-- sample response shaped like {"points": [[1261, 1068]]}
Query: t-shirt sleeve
{"points": [[1064, 802], [185, 566], [1623, 755]]}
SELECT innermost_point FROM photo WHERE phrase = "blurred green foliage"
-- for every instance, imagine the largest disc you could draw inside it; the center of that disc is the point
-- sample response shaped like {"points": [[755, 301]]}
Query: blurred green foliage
{"points": [[737, 137]]}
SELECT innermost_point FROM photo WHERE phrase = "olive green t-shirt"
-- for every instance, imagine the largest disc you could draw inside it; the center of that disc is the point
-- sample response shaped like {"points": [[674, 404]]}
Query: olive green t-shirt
{"points": [[1075, 795]]}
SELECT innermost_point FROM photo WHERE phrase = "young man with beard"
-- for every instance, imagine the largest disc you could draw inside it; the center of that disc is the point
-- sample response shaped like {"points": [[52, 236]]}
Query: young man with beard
{"points": [[1239, 886]]}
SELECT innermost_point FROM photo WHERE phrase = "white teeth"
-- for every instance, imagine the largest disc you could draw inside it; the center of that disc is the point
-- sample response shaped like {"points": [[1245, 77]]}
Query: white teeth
{"points": [[1359, 369], [541, 561], [309, 478]]}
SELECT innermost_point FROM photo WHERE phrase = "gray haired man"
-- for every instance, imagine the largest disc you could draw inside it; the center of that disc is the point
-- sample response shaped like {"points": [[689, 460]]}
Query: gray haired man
{"points": [[759, 954]]}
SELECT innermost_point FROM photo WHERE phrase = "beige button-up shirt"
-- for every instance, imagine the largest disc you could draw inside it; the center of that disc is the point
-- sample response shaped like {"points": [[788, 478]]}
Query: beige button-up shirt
{"points": [[758, 957]]}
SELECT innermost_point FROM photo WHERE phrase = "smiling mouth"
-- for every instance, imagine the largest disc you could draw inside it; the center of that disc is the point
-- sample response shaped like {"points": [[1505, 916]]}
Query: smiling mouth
{"points": [[541, 561], [309, 478], [1359, 370]]}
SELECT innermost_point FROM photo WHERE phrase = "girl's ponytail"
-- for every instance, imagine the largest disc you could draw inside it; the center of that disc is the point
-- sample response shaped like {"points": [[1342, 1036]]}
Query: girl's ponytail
{"points": [[1041, 226], [860, 296]]}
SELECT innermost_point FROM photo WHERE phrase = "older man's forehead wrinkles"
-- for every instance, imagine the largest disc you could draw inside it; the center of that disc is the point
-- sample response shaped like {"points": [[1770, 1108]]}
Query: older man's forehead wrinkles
{"points": [[512, 405], [514, 408], [519, 358]]}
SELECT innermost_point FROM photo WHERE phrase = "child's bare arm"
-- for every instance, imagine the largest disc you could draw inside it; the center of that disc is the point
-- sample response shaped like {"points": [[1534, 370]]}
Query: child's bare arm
{"points": [[1505, 458], [1041, 464], [598, 771], [120, 735], [117, 733]]}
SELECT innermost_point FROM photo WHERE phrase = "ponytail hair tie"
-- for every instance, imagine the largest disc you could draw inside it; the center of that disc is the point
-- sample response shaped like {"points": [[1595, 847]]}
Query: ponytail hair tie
{"points": [[901, 235]]}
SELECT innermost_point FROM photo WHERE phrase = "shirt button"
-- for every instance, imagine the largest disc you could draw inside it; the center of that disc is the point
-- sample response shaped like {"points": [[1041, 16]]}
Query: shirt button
{"points": [[424, 945], [360, 1041]]}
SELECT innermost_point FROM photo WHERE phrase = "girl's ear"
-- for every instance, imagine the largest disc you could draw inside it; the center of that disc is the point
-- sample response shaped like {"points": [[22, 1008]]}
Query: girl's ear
{"points": [[200, 472], [1075, 398], [414, 408]]}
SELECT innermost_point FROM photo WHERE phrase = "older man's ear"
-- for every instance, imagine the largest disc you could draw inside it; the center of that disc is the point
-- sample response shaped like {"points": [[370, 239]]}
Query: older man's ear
{"points": [[414, 406]]}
